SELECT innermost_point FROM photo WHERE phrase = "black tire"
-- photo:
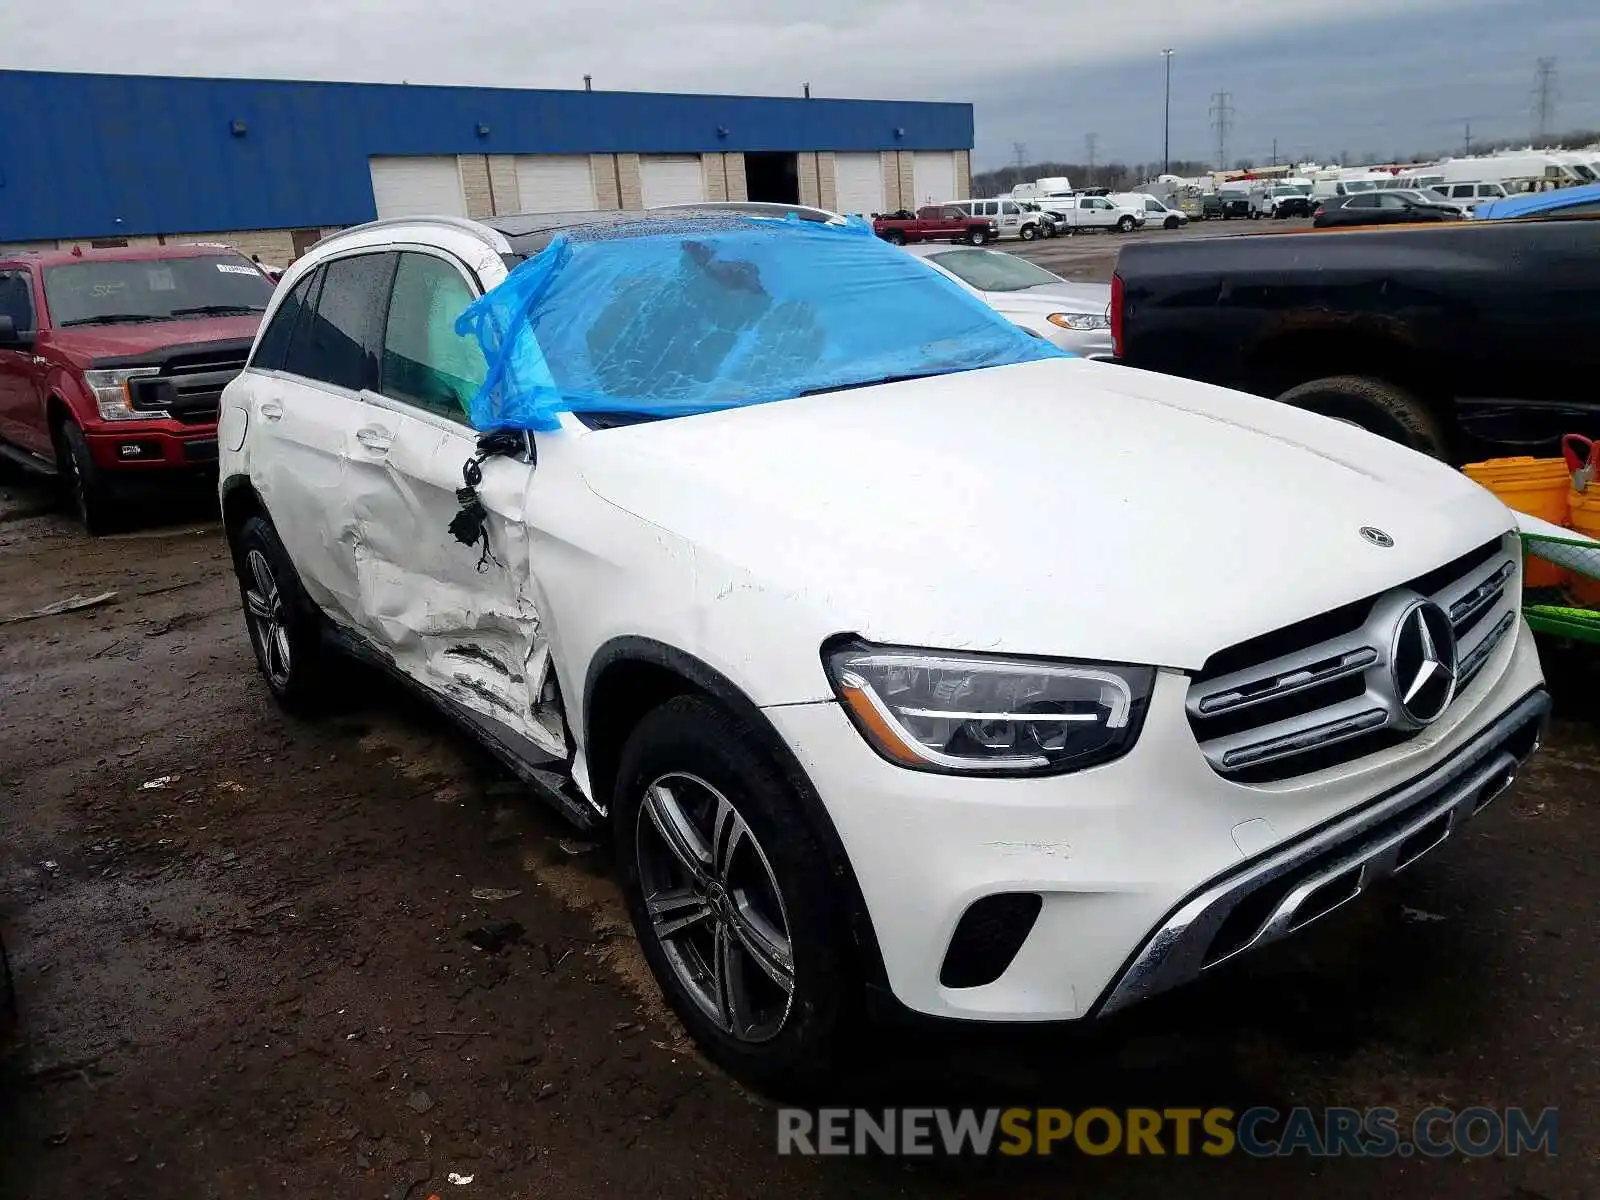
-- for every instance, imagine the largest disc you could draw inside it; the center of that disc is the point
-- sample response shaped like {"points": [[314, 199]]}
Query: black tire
{"points": [[976, 237], [1170, 223], [690, 741], [1125, 225], [84, 485], [284, 626], [1027, 233], [896, 238], [1377, 406]]}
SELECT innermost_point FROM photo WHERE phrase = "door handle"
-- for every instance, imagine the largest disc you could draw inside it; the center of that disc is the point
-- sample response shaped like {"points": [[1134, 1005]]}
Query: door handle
{"points": [[271, 410], [374, 438]]}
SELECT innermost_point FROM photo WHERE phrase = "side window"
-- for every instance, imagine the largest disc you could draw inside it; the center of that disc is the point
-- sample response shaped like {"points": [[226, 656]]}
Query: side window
{"points": [[1153, 206], [337, 342], [1363, 200], [953, 213], [273, 345], [16, 298], [1008, 208], [1487, 190], [1391, 201], [425, 362]]}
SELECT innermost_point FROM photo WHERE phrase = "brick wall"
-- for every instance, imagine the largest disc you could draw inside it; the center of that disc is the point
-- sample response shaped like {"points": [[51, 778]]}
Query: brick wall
{"points": [[503, 183], [715, 169], [475, 184], [827, 180], [629, 186], [733, 170], [806, 163], [603, 169]]}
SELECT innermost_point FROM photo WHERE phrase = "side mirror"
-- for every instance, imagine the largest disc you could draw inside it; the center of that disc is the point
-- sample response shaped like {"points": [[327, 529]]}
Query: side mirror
{"points": [[12, 338]]}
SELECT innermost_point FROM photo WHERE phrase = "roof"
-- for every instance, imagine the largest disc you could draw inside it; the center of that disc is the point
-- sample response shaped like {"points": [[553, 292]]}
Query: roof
{"points": [[530, 233], [57, 258], [1538, 203]]}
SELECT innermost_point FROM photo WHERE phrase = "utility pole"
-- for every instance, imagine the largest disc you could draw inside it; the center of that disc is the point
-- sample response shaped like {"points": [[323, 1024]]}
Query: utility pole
{"points": [[1166, 120], [1222, 122], [1544, 98], [1019, 151], [1466, 140], [1274, 151], [1089, 140]]}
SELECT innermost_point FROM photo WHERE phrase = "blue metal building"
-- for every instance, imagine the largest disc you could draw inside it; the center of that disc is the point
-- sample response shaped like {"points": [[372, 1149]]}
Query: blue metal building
{"points": [[116, 156]]}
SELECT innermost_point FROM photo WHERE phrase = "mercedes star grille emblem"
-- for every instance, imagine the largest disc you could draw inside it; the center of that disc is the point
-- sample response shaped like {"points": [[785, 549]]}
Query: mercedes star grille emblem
{"points": [[1376, 537], [1423, 662]]}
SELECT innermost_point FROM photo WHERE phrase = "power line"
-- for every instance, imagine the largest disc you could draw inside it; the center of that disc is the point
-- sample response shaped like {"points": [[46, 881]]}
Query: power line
{"points": [[1544, 97], [1222, 122]]}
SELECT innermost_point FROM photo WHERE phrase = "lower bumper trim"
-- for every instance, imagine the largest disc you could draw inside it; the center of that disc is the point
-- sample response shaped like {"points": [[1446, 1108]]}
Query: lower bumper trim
{"points": [[1290, 887]]}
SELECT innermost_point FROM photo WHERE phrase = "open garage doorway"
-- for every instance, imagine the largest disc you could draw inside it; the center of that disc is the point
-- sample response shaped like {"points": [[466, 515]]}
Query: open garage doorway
{"points": [[772, 176]]}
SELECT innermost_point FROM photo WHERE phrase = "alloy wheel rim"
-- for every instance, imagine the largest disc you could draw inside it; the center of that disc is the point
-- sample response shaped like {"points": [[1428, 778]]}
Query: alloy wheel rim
{"points": [[264, 605], [715, 907]]}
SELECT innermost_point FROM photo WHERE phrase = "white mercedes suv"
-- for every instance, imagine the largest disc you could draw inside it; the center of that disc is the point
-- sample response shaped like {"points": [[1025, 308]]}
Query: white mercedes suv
{"points": [[1017, 693]]}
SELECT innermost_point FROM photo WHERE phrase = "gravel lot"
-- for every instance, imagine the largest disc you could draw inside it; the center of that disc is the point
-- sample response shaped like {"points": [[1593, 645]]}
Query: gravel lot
{"points": [[249, 953]]}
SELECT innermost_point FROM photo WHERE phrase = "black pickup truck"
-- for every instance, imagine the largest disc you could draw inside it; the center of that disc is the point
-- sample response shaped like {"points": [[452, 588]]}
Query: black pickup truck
{"points": [[1467, 340]]}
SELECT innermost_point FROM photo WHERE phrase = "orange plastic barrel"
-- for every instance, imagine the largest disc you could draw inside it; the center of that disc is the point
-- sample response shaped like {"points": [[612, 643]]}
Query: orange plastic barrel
{"points": [[1585, 508], [1536, 486]]}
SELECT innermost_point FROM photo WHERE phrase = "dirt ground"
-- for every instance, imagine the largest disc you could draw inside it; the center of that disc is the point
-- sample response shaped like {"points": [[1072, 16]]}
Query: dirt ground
{"points": [[251, 961]]}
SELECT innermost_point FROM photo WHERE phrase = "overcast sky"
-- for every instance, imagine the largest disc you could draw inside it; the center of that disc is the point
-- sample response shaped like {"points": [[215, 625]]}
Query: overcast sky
{"points": [[1318, 75]]}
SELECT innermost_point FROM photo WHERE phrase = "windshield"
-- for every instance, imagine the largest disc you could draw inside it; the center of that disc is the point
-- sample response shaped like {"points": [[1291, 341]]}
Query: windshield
{"points": [[109, 291], [993, 270], [1360, 185], [1291, 189], [1583, 171], [671, 318]]}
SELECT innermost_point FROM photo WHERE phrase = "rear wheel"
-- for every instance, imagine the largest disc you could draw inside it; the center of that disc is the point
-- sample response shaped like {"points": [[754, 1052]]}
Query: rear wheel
{"points": [[1375, 405], [896, 237], [284, 625], [730, 895], [86, 487]]}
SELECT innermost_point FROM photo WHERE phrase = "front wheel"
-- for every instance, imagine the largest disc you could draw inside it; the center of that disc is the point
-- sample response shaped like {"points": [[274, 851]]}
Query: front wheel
{"points": [[1027, 232], [976, 237], [86, 487], [1170, 223], [284, 626], [731, 896], [1126, 224]]}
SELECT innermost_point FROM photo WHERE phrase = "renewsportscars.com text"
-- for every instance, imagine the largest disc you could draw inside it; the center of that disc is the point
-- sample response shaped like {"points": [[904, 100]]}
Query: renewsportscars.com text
{"points": [[1213, 1132]]}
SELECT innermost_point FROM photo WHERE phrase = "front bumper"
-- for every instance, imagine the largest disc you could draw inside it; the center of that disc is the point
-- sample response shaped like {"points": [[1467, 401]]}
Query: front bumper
{"points": [[1135, 861], [139, 447]]}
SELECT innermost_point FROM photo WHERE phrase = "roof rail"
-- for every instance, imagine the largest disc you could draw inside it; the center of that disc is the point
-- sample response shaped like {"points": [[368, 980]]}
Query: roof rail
{"points": [[492, 238]]}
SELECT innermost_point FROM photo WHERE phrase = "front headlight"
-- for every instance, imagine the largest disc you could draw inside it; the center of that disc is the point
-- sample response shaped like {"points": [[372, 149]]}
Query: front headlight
{"points": [[1079, 321], [957, 713], [111, 393]]}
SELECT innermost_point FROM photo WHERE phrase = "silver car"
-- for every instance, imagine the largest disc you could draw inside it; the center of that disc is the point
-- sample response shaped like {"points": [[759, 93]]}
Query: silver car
{"points": [[1073, 316]]}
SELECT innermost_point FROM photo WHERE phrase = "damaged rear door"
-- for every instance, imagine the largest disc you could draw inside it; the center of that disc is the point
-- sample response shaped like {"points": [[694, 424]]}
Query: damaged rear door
{"points": [[462, 620]]}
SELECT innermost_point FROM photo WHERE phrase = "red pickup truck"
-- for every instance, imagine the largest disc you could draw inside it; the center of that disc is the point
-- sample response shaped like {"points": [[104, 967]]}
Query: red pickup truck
{"points": [[112, 363], [935, 223]]}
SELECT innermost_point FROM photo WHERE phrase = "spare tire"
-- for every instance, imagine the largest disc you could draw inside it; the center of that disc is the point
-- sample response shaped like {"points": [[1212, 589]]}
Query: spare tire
{"points": [[1377, 406]]}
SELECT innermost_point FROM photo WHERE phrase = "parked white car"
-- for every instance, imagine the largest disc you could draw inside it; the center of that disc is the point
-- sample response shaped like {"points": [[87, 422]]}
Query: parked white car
{"points": [[1080, 214], [1073, 316], [925, 684], [1156, 214]]}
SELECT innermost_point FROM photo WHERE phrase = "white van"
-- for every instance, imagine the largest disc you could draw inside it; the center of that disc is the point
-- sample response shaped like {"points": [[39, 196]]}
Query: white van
{"points": [[1009, 215]]}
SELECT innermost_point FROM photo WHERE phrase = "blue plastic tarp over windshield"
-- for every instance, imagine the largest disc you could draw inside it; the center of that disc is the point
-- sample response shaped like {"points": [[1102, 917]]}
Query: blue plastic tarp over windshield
{"points": [[669, 318]]}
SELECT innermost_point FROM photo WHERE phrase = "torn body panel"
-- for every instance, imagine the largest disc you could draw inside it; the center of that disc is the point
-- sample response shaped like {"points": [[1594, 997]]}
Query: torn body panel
{"points": [[460, 621]]}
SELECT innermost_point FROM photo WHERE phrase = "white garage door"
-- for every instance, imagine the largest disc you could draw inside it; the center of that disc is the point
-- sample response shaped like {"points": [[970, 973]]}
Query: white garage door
{"points": [[410, 187], [671, 179], [859, 181], [555, 183], [934, 176]]}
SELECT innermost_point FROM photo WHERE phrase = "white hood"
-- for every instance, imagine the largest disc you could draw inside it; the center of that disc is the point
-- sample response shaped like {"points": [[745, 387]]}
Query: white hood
{"points": [[1062, 507]]}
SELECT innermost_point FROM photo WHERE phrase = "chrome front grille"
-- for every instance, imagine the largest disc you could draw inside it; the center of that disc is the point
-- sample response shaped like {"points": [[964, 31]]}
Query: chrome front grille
{"points": [[1324, 691]]}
